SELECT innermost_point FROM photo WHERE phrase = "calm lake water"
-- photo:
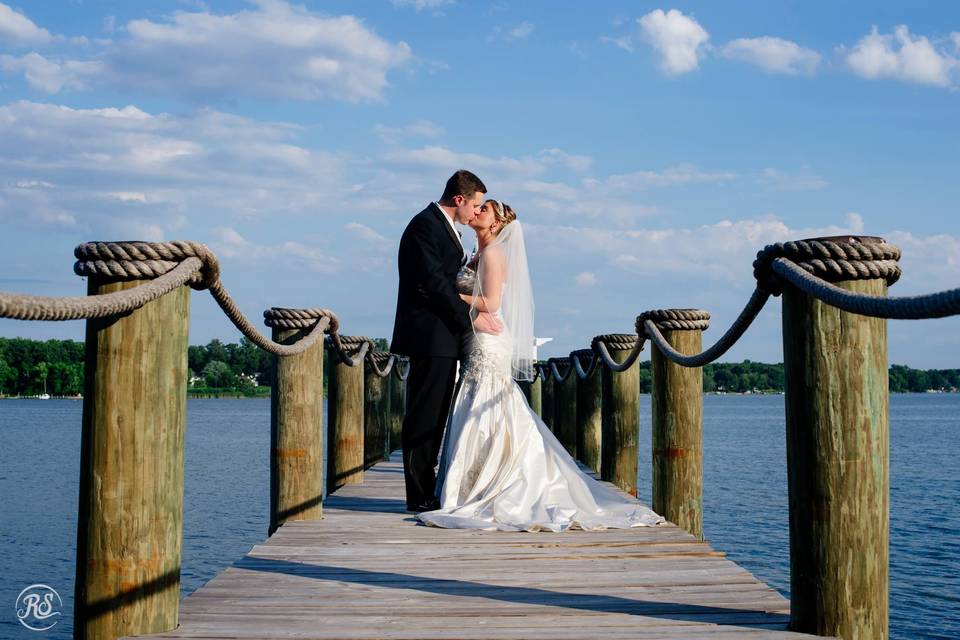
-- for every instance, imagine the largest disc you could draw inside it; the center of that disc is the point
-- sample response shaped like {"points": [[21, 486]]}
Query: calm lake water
{"points": [[227, 498]]}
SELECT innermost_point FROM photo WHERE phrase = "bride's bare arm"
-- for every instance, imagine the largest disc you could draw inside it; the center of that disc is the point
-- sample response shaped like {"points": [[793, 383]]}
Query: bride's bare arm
{"points": [[491, 284]]}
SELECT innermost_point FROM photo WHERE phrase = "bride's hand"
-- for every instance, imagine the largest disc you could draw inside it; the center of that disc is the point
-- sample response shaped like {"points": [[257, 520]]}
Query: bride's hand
{"points": [[486, 323]]}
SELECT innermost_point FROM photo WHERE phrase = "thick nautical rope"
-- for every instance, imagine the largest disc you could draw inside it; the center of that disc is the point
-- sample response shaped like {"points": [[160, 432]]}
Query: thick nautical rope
{"points": [[602, 344], [350, 350], [829, 260], [317, 320], [167, 265], [555, 364], [381, 362], [650, 326], [577, 358]]}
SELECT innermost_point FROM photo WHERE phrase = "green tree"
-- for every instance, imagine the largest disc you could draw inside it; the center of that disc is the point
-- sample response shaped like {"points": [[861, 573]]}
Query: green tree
{"points": [[218, 374]]}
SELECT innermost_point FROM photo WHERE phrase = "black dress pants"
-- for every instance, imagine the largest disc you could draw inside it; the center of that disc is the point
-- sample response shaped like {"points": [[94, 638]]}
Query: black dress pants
{"points": [[429, 393]]}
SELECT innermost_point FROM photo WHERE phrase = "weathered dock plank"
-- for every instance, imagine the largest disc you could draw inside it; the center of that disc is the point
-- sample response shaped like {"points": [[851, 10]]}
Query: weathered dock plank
{"points": [[368, 570]]}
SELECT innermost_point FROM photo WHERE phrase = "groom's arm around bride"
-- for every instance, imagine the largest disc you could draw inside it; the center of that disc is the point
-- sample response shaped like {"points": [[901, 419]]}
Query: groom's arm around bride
{"points": [[431, 318]]}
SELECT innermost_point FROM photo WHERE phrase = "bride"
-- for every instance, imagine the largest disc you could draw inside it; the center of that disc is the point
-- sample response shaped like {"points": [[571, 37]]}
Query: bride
{"points": [[501, 467]]}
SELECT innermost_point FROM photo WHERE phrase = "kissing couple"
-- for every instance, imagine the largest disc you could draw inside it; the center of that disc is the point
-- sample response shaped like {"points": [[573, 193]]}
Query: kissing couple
{"points": [[501, 467]]}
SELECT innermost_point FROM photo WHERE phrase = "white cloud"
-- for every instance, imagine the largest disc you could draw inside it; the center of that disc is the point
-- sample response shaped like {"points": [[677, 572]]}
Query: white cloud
{"points": [[571, 161], [49, 75], [678, 38], [17, 29], [670, 177], [443, 158], [623, 42], [365, 233], [126, 169], [274, 50], [417, 129], [518, 32], [773, 54], [297, 256], [785, 181], [902, 56], [420, 5], [586, 279]]}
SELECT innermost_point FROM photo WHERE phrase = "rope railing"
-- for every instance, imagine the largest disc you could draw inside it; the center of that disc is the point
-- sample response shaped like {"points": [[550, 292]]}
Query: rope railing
{"points": [[381, 362], [602, 344]]}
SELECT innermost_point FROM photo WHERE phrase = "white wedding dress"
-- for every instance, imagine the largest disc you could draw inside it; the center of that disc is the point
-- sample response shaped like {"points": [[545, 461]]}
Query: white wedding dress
{"points": [[501, 467]]}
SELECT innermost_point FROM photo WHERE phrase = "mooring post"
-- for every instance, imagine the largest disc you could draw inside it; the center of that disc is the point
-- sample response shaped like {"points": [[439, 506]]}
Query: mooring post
{"points": [[296, 422], [564, 403], [398, 400], [376, 412], [836, 393], [620, 414], [130, 526], [589, 394], [546, 395], [677, 406], [532, 391], [345, 422]]}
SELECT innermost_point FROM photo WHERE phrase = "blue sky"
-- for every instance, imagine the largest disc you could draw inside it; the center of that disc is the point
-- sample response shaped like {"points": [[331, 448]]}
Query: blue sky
{"points": [[651, 149]]}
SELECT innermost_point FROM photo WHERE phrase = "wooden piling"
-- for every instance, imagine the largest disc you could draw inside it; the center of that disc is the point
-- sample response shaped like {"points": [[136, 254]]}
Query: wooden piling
{"points": [[130, 526], [677, 442], [376, 414], [588, 428], [532, 389], [836, 393], [398, 406], [344, 423], [565, 405], [296, 431], [546, 395], [620, 421]]}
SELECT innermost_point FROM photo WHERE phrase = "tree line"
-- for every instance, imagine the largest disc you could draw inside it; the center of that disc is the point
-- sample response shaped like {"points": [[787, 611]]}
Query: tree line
{"points": [[31, 367]]}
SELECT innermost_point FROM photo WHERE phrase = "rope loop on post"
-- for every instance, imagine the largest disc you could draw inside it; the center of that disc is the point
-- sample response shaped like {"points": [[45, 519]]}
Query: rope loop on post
{"points": [[555, 364], [577, 357], [381, 362], [350, 350], [602, 344], [830, 259], [136, 260]]}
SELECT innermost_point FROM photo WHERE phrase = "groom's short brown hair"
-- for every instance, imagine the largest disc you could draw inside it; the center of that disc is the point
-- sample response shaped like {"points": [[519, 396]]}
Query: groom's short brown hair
{"points": [[462, 183]]}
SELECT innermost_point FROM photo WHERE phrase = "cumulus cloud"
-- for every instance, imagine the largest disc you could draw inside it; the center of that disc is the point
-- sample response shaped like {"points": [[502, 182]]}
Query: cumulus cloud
{"points": [[775, 55], [670, 177], [16, 29], [417, 129], [229, 243], [274, 49], [365, 233], [676, 37], [126, 169], [903, 56], [50, 75]]}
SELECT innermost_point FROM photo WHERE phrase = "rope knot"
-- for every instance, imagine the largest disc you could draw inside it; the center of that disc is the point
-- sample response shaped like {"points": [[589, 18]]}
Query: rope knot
{"points": [[830, 259], [285, 318], [135, 260], [674, 320], [615, 341]]}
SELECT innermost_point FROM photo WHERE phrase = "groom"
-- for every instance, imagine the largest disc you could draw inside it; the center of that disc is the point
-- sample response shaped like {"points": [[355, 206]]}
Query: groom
{"points": [[431, 318]]}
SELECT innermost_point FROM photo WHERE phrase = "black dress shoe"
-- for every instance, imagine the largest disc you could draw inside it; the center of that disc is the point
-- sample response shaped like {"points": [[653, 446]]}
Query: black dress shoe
{"points": [[429, 505]]}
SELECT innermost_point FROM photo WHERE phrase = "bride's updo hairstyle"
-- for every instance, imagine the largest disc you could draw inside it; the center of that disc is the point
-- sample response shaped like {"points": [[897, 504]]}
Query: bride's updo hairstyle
{"points": [[503, 213]]}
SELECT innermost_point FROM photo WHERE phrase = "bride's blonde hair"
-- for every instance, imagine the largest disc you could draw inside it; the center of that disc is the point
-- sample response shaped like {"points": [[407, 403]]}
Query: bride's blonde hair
{"points": [[503, 213]]}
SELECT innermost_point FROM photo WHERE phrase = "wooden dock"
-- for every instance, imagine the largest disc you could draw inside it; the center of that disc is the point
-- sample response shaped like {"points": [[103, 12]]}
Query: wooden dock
{"points": [[369, 570]]}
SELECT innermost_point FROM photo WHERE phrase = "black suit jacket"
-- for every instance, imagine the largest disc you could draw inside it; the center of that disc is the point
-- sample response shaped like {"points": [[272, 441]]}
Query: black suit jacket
{"points": [[431, 317]]}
